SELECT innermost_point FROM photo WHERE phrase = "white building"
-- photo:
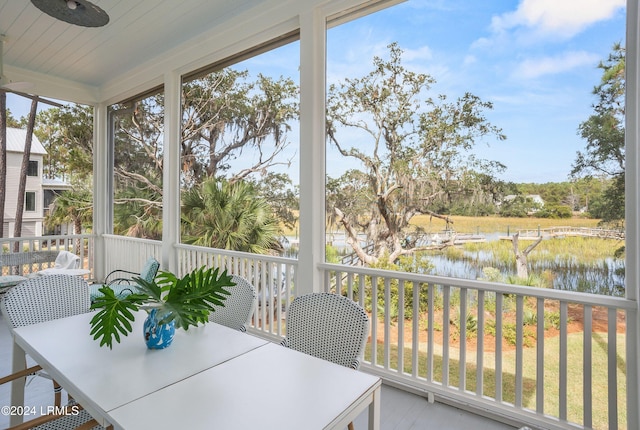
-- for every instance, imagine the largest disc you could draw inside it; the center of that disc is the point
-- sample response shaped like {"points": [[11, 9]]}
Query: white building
{"points": [[39, 192]]}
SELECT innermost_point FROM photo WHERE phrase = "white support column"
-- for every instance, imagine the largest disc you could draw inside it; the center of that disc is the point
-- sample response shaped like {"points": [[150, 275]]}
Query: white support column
{"points": [[632, 198], [312, 150], [102, 186], [171, 171]]}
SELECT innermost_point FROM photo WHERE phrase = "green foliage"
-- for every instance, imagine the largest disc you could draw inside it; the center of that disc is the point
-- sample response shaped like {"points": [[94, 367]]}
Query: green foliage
{"points": [[529, 317], [187, 301], [552, 319], [555, 212], [67, 135], [519, 207], [471, 322], [229, 215], [509, 333], [331, 254], [604, 132], [413, 147], [405, 264], [72, 206]]}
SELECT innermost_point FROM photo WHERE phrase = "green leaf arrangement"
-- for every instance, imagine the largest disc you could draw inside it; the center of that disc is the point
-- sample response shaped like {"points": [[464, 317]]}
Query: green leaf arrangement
{"points": [[187, 301]]}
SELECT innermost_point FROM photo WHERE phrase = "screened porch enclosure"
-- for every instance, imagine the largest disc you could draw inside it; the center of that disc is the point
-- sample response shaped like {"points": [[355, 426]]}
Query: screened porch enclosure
{"points": [[422, 339]]}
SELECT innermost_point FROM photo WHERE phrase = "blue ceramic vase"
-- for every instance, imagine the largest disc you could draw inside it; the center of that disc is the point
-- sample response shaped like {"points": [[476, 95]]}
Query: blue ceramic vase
{"points": [[156, 335]]}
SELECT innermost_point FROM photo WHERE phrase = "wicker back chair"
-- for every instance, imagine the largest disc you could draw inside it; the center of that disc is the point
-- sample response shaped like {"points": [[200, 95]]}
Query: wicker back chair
{"points": [[238, 307], [38, 300], [328, 326], [45, 298]]}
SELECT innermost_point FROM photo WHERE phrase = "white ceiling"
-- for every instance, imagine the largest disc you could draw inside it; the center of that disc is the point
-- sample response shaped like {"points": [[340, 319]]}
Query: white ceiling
{"points": [[139, 31]]}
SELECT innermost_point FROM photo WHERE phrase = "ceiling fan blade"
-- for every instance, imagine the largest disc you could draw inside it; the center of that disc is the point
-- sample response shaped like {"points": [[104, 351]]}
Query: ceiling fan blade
{"points": [[77, 12]]}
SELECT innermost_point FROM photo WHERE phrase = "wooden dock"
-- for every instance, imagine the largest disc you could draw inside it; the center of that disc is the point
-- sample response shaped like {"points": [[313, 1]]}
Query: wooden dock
{"points": [[560, 232]]}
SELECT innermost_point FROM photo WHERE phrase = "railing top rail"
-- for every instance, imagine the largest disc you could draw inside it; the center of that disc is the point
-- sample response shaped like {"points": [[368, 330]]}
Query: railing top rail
{"points": [[44, 238], [238, 254], [133, 239], [522, 290]]}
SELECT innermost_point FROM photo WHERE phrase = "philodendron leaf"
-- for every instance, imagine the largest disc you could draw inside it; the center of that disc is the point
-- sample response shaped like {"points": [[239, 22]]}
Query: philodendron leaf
{"points": [[115, 315], [195, 295], [188, 301]]}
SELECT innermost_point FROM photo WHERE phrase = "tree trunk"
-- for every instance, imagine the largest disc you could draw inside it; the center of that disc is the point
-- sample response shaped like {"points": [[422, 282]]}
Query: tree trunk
{"points": [[521, 256], [77, 229], [3, 157], [17, 232]]}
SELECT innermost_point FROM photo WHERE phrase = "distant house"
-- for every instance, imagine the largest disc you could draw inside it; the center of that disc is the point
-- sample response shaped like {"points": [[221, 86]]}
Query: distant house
{"points": [[535, 198], [39, 192]]}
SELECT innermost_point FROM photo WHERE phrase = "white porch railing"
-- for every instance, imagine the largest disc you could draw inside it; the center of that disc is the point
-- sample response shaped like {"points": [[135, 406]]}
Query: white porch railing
{"points": [[129, 253], [80, 244], [275, 279], [556, 359]]}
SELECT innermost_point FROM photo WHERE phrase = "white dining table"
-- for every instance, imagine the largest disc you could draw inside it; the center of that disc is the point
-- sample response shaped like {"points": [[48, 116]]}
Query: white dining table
{"points": [[210, 377]]}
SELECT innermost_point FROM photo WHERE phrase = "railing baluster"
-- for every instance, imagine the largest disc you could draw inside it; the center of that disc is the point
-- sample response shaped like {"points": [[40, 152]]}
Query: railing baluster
{"points": [[519, 349], [387, 323], [480, 347], [431, 328], [446, 318], [462, 366], [612, 367], [401, 285], [498, 358], [540, 355], [587, 372], [415, 334], [562, 394], [374, 320]]}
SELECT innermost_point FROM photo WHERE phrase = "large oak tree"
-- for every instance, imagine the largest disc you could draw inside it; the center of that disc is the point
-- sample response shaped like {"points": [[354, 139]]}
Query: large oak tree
{"points": [[412, 150]]}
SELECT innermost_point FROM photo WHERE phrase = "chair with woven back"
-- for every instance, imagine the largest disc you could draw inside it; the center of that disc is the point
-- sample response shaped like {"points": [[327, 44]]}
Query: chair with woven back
{"points": [[328, 326], [38, 300], [238, 307], [122, 281]]}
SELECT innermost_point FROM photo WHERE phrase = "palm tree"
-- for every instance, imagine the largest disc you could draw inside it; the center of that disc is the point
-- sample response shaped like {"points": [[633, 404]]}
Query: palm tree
{"points": [[225, 215], [72, 206]]}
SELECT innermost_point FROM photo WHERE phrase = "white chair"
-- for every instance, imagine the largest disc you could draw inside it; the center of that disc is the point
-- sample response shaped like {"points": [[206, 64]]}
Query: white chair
{"points": [[238, 307], [328, 326], [43, 299]]}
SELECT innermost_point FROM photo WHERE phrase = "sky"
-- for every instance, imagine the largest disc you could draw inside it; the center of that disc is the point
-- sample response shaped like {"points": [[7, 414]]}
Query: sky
{"points": [[535, 60]]}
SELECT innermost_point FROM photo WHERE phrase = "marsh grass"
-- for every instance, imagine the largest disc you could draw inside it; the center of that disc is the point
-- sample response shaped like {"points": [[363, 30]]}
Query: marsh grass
{"points": [[485, 225]]}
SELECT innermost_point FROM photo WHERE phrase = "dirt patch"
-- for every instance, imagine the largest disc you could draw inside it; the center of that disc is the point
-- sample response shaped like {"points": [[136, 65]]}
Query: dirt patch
{"points": [[575, 324]]}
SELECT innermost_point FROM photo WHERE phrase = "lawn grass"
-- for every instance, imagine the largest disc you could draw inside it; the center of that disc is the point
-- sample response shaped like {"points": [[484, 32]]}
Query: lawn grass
{"points": [[551, 376]]}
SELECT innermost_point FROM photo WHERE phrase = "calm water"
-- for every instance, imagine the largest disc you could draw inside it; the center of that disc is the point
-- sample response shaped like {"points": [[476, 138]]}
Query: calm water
{"points": [[606, 279]]}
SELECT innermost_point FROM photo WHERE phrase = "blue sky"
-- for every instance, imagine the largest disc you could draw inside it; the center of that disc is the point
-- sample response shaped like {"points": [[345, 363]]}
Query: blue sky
{"points": [[535, 60]]}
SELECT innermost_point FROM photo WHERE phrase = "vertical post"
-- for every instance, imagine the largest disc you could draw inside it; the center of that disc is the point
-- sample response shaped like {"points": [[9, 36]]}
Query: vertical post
{"points": [[312, 150], [171, 171], [102, 185], [632, 215]]}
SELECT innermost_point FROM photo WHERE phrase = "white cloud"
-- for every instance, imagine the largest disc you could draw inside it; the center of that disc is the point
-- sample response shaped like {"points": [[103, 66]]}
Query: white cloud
{"points": [[423, 53], [558, 17], [536, 67]]}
